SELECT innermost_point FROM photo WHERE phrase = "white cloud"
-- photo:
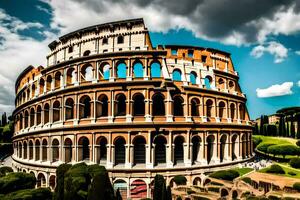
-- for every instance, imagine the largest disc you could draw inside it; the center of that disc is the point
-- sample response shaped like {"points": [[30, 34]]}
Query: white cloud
{"points": [[297, 52], [275, 90], [276, 49], [298, 83]]}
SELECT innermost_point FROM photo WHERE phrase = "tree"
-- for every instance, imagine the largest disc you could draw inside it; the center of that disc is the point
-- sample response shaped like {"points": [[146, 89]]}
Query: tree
{"points": [[282, 131], [287, 127], [118, 195], [293, 131], [60, 174], [160, 192], [4, 119], [255, 131], [169, 193]]}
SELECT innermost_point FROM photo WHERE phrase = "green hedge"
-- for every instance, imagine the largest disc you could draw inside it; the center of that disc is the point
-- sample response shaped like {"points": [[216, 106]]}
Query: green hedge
{"points": [[29, 194], [283, 149], [16, 181], [295, 162], [247, 180], [228, 175], [275, 169], [180, 180], [296, 186], [256, 141], [263, 147], [5, 170]]}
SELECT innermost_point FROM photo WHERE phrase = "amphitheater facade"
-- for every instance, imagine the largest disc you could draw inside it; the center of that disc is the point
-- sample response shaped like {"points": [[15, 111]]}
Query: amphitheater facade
{"points": [[108, 97]]}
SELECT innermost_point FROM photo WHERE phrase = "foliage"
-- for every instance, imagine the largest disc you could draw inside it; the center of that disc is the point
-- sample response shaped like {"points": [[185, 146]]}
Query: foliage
{"points": [[60, 173], [263, 147], [180, 180], [275, 169], [169, 193], [118, 195], [5, 170], [256, 141], [295, 162], [298, 143], [16, 181], [228, 175], [213, 189], [292, 173], [29, 194], [160, 192], [296, 186], [284, 149], [247, 180]]}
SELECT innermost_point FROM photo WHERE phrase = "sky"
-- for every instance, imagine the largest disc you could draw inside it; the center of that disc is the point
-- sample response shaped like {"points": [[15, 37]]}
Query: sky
{"points": [[263, 38]]}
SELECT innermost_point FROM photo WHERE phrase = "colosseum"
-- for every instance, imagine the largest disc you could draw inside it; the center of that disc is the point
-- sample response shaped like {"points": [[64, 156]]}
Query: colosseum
{"points": [[107, 96]]}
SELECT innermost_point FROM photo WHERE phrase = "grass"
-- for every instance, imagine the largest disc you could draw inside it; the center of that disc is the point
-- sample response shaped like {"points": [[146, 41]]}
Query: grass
{"points": [[243, 171], [286, 169]]}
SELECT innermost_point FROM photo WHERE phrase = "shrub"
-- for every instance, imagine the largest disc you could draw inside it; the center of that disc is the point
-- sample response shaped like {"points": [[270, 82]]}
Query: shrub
{"points": [[284, 149], [295, 162], [4, 170], [60, 173], [263, 147], [298, 143], [275, 169], [16, 181], [95, 169], [256, 141], [29, 194], [247, 180], [292, 173], [296, 186], [180, 180], [159, 188], [228, 175]]}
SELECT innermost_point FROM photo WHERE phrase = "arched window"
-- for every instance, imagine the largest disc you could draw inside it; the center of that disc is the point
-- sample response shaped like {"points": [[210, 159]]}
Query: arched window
{"points": [[87, 53], [196, 141], [155, 69], [101, 150], [30, 150], [232, 111], [158, 105], [178, 106], [138, 70], [21, 121], [20, 150], [120, 150], [160, 150], [138, 105], [178, 150], [221, 83], [207, 82], [44, 150], [46, 113], [55, 150], [210, 147], [209, 105], [71, 76], [234, 147], [56, 111], [41, 180], [32, 117], [195, 107], [39, 115], [176, 75], [26, 119], [102, 106], [120, 105], [33, 91], [242, 111], [120, 39], [104, 41], [85, 107], [221, 109], [87, 73], [42, 86], [84, 149], [121, 70], [139, 150], [69, 109], [25, 150], [57, 82], [231, 85], [68, 150], [104, 71], [49, 83], [37, 150], [222, 147], [193, 77]]}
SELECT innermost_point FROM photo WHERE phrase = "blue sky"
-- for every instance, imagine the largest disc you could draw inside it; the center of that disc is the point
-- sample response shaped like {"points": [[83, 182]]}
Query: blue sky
{"points": [[263, 38]]}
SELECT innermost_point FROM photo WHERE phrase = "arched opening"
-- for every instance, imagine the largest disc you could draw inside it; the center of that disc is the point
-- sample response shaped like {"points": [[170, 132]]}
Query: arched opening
{"points": [[155, 70], [26, 119], [85, 107], [210, 148], [87, 53], [87, 73], [195, 107], [224, 192], [120, 39], [207, 82], [41, 180], [138, 189], [37, 150], [231, 85], [234, 149], [30, 150], [71, 76], [21, 121], [104, 71], [242, 111], [49, 83], [138, 105], [57, 82], [223, 150], [138, 70], [56, 111], [221, 109], [158, 105], [44, 150], [25, 149], [160, 150], [102, 106], [178, 150], [193, 78], [197, 181], [84, 149], [232, 111], [244, 145], [46, 113], [55, 150], [196, 141], [39, 115], [120, 150], [178, 106], [32, 117], [101, 150], [209, 105], [139, 150], [234, 194], [120, 105], [33, 91], [42, 86], [20, 150], [176, 75], [122, 186], [52, 182], [69, 109], [68, 150], [121, 70]]}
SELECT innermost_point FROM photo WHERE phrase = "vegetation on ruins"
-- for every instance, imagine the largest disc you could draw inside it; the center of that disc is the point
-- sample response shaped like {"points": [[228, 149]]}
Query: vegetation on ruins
{"points": [[228, 175], [295, 163]]}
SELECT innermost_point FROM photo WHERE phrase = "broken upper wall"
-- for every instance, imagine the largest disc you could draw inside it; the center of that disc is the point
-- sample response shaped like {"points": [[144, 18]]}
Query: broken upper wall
{"points": [[117, 36]]}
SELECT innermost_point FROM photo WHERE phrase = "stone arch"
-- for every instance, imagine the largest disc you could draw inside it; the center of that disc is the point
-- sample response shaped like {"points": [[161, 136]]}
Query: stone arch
{"points": [[87, 73], [222, 108], [69, 109], [160, 149], [57, 80], [33, 89], [83, 149], [46, 113], [138, 104], [68, 145], [138, 69], [176, 75], [242, 111], [32, 116], [244, 145], [102, 106], [44, 150], [193, 78], [119, 150], [21, 121], [197, 181], [232, 111], [71, 76], [104, 70], [85, 107], [20, 150], [30, 145], [195, 105], [52, 182], [41, 180], [224, 192], [155, 69], [42, 86], [37, 149], [223, 147], [87, 53], [139, 143], [122, 186], [26, 120], [49, 83], [25, 149], [56, 111], [121, 69], [55, 150], [138, 189], [39, 115], [158, 104], [208, 82], [178, 106], [210, 140], [197, 150], [234, 194], [209, 108], [120, 105], [101, 149], [234, 147], [179, 149], [206, 181]]}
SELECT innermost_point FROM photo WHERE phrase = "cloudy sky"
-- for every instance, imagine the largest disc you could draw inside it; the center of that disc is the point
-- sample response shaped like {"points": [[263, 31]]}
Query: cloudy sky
{"points": [[262, 36]]}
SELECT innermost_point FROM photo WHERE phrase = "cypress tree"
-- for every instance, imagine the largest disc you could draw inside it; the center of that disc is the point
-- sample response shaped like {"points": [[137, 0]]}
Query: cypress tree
{"points": [[60, 173], [287, 127], [293, 132], [255, 131], [298, 125], [118, 195], [169, 193], [4, 119], [261, 125], [160, 192]]}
